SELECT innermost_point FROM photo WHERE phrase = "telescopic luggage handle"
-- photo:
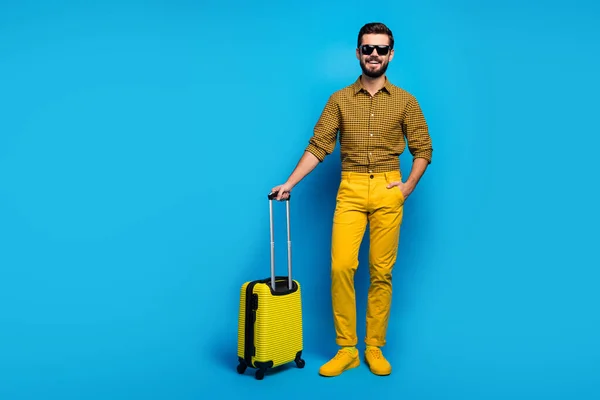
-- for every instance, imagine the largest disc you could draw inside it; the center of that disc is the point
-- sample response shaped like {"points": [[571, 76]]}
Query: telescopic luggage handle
{"points": [[272, 196]]}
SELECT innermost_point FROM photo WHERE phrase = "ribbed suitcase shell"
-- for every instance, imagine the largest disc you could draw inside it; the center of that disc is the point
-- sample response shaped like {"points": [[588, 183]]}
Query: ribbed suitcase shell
{"points": [[270, 326]]}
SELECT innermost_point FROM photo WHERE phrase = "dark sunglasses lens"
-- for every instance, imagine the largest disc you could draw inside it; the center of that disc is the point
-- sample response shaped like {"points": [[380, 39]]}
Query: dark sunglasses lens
{"points": [[382, 50], [367, 49]]}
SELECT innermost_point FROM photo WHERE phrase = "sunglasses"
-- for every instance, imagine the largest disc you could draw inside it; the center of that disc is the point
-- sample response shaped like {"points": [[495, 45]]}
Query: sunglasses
{"points": [[367, 49]]}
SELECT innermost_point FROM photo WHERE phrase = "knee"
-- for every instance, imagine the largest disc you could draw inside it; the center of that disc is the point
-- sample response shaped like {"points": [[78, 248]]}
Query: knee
{"points": [[343, 266], [381, 276]]}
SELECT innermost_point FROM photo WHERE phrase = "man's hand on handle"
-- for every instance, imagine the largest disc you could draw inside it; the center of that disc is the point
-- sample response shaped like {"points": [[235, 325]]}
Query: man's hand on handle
{"points": [[283, 191]]}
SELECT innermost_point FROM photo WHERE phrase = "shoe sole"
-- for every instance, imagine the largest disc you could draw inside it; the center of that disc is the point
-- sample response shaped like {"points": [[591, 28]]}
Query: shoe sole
{"points": [[353, 364], [378, 373]]}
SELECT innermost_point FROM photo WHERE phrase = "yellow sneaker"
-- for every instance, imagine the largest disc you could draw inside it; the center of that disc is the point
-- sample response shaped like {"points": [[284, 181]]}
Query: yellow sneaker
{"points": [[345, 359], [377, 362]]}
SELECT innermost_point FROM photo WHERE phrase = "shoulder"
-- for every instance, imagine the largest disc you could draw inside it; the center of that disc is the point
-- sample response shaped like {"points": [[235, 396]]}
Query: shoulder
{"points": [[401, 93], [343, 93], [346, 92], [339, 98]]}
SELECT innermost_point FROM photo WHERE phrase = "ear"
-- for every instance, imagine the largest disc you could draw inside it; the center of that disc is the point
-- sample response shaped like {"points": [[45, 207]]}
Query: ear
{"points": [[391, 55], [358, 53]]}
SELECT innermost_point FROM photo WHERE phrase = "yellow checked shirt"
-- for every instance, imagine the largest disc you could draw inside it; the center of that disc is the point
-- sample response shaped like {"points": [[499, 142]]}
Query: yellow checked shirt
{"points": [[373, 130]]}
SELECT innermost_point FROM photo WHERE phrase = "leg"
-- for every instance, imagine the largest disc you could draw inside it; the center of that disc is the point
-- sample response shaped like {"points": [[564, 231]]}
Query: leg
{"points": [[349, 225], [385, 221]]}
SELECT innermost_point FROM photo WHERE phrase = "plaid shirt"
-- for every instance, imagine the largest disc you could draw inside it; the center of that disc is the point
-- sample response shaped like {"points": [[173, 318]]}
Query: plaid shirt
{"points": [[373, 130]]}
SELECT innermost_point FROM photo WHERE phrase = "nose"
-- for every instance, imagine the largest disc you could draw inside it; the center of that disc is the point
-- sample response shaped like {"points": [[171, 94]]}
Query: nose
{"points": [[375, 53]]}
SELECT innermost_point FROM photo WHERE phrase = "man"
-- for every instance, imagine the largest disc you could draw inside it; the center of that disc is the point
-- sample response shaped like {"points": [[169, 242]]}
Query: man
{"points": [[375, 120]]}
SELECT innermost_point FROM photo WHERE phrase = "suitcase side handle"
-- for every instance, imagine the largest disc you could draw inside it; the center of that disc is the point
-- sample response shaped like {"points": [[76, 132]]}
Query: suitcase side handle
{"points": [[289, 241]]}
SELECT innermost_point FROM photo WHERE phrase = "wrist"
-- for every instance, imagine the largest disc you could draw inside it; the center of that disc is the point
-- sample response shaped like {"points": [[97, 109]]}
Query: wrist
{"points": [[410, 184]]}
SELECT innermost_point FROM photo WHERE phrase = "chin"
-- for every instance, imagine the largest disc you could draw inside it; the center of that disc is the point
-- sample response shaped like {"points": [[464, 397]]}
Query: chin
{"points": [[376, 72]]}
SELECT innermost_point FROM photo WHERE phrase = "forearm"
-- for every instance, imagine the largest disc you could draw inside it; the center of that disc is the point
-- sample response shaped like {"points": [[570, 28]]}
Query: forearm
{"points": [[305, 165], [418, 169]]}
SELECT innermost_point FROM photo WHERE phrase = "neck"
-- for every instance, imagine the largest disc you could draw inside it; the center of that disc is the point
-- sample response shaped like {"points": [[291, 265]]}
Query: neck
{"points": [[373, 84]]}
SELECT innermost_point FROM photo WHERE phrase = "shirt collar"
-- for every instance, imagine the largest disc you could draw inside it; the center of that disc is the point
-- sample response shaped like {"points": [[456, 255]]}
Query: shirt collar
{"points": [[357, 86]]}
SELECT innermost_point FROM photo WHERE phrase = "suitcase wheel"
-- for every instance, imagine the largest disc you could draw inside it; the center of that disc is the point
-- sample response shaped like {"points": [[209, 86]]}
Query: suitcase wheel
{"points": [[241, 368], [299, 361], [260, 374]]}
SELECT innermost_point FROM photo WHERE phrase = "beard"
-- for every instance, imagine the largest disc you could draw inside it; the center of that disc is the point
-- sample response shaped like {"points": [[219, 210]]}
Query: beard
{"points": [[373, 73]]}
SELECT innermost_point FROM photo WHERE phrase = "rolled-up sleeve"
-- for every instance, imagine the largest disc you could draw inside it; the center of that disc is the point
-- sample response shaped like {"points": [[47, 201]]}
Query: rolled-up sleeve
{"points": [[322, 142], [417, 132]]}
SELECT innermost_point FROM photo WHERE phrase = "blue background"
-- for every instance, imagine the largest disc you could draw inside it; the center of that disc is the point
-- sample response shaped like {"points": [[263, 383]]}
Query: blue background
{"points": [[138, 141]]}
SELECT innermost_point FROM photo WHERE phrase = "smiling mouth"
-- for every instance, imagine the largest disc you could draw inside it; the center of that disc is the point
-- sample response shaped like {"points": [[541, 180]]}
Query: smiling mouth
{"points": [[373, 62]]}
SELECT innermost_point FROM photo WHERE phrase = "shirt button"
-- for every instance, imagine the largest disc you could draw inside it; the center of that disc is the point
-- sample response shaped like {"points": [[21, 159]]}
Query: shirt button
{"points": [[371, 134]]}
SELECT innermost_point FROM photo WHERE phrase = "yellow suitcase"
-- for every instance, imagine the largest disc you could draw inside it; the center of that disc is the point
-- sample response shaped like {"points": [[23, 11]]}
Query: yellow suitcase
{"points": [[270, 331]]}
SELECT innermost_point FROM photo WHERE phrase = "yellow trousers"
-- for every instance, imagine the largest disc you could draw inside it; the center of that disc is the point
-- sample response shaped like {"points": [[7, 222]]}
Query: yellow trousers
{"points": [[364, 199]]}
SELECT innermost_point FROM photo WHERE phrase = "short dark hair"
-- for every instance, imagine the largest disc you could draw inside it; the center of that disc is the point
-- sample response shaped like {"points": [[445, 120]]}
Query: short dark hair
{"points": [[375, 28]]}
